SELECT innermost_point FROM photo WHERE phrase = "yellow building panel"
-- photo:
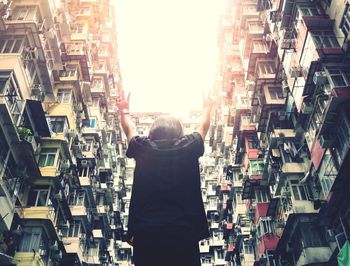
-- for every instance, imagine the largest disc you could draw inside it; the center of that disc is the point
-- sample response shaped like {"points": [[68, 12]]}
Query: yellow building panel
{"points": [[42, 212], [64, 109], [49, 171], [28, 259]]}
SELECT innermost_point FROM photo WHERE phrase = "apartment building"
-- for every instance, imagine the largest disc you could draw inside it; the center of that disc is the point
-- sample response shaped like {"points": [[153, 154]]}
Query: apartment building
{"points": [[284, 69], [62, 162]]}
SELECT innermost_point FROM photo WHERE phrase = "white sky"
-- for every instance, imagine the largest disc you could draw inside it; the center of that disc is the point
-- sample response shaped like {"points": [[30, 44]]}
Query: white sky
{"points": [[167, 52]]}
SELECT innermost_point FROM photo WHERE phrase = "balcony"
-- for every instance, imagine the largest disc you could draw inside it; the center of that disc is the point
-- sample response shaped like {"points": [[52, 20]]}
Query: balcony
{"points": [[78, 210], [72, 246], [314, 255], [294, 168], [43, 215], [28, 258], [268, 242], [77, 52], [216, 242], [261, 210]]}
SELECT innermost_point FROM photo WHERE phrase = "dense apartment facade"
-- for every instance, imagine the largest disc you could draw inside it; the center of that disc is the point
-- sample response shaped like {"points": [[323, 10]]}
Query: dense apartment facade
{"points": [[284, 70], [62, 162]]}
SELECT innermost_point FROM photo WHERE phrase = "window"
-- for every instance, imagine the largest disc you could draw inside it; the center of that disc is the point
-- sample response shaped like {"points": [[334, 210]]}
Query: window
{"points": [[92, 122], [39, 196], [266, 67], [275, 93], [9, 88], [256, 167], [98, 83], [325, 40], [339, 76], [327, 174], [345, 24], [13, 45], [71, 70], [33, 238], [220, 254], [244, 100], [259, 46], [299, 191], [342, 140], [95, 102], [252, 142], [58, 123], [255, 26], [309, 10], [78, 28], [84, 171], [206, 259], [28, 13], [311, 235], [85, 11], [261, 196], [64, 95], [88, 145], [75, 47], [77, 198], [75, 229], [47, 156], [239, 197], [265, 226], [245, 120], [248, 248]]}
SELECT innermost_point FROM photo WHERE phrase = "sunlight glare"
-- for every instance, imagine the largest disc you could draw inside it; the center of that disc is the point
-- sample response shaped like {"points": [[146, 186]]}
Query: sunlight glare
{"points": [[167, 52]]}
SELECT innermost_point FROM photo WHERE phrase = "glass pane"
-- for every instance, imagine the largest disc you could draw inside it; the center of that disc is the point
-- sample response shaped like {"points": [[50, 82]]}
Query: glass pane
{"points": [[295, 193], [8, 46], [50, 160], [42, 160], [42, 198], [32, 198]]}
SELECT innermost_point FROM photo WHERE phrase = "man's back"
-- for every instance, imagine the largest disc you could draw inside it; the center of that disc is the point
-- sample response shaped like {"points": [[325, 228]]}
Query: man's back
{"points": [[166, 190]]}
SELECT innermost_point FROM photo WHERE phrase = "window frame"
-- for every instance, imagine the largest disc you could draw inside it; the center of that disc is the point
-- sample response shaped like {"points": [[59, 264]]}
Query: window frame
{"points": [[345, 23], [49, 151], [39, 191], [58, 124], [299, 191]]}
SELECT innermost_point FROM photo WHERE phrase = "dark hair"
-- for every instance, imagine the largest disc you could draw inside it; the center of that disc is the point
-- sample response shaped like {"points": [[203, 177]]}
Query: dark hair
{"points": [[165, 127]]}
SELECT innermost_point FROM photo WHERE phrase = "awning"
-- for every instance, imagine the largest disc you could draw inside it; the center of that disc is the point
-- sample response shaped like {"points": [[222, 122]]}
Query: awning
{"points": [[37, 114]]}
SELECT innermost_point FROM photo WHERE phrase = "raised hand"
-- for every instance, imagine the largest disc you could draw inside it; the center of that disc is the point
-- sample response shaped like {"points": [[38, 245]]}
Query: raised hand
{"points": [[122, 103]]}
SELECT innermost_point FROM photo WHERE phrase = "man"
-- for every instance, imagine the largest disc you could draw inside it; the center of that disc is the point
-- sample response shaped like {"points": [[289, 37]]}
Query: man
{"points": [[166, 216]]}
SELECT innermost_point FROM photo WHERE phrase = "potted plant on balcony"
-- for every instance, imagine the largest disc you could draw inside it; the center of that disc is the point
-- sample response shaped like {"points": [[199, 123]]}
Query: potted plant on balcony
{"points": [[23, 132]]}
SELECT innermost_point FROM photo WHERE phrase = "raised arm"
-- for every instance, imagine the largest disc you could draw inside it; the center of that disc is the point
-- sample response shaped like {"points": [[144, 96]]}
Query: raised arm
{"points": [[204, 122], [125, 119]]}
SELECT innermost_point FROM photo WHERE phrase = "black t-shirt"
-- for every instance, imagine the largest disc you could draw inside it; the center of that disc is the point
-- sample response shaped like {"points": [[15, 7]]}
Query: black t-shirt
{"points": [[166, 189]]}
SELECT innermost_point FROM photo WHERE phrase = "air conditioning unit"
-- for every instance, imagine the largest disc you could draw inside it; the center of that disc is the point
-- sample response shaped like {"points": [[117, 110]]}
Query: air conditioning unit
{"points": [[58, 195], [306, 107], [54, 246], [330, 235], [64, 224], [295, 71], [84, 163], [320, 78], [58, 255], [275, 16]]}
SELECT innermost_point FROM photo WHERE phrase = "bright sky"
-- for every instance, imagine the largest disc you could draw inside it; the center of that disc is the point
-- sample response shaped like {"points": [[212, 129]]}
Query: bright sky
{"points": [[167, 52]]}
